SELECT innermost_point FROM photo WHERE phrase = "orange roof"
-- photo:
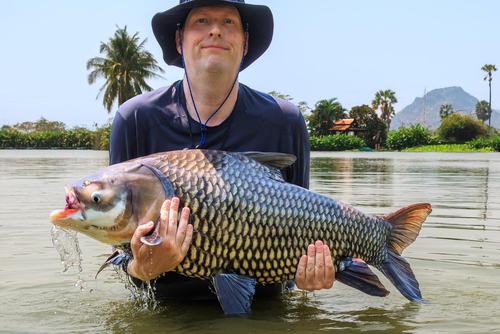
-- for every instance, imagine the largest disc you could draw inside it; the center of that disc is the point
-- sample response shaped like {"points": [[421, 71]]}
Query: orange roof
{"points": [[340, 127], [343, 124], [347, 121]]}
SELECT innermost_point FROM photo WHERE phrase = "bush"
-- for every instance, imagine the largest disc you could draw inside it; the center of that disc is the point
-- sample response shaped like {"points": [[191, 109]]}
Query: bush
{"points": [[75, 138], [480, 143], [495, 144], [409, 137], [461, 128], [337, 142]]}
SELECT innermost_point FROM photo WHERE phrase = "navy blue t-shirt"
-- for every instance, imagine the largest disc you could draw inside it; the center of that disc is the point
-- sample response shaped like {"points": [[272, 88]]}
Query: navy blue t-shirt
{"points": [[158, 121]]}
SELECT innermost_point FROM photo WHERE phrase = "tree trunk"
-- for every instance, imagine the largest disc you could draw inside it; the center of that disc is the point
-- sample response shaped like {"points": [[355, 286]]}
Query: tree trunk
{"points": [[489, 121]]}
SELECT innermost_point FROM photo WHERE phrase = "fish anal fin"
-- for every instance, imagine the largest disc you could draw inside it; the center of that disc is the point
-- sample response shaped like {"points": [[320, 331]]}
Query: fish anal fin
{"points": [[235, 292], [358, 275], [398, 271], [407, 223]]}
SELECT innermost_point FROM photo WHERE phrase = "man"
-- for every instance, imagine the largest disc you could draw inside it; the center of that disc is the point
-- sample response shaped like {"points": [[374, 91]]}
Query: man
{"points": [[212, 40]]}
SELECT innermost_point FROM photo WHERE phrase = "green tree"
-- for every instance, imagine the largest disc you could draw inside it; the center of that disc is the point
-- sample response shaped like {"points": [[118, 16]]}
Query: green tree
{"points": [[445, 110], [368, 119], [489, 68], [385, 99], [125, 66], [461, 128], [324, 114], [302, 105], [482, 110]]}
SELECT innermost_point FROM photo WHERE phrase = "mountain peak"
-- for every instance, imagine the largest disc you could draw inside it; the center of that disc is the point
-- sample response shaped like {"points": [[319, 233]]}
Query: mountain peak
{"points": [[461, 101]]}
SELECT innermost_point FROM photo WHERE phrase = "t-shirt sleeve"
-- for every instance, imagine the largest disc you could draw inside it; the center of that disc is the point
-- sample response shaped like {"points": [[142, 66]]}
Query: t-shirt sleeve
{"points": [[122, 143]]}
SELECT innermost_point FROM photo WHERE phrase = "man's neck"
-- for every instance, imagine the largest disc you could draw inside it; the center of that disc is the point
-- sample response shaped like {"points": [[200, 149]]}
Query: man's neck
{"points": [[208, 93]]}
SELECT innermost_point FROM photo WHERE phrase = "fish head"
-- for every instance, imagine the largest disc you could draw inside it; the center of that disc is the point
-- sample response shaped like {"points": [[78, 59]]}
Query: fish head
{"points": [[110, 204]]}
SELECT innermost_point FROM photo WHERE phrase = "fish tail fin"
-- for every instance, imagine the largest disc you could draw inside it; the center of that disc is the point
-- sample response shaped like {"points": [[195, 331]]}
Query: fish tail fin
{"points": [[407, 223]]}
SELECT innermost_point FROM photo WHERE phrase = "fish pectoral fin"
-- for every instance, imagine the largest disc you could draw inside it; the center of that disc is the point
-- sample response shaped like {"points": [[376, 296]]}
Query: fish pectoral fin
{"points": [[235, 292], [359, 276], [152, 238], [115, 258]]}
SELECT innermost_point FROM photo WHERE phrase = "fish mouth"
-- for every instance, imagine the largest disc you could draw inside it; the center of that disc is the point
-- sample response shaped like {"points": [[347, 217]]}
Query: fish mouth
{"points": [[72, 210]]}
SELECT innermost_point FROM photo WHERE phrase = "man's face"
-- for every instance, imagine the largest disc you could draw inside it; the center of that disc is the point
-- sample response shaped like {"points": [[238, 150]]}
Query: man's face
{"points": [[212, 39]]}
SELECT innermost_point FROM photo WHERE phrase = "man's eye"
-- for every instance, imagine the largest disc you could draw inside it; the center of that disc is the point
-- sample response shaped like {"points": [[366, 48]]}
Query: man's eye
{"points": [[228, 21], [201, 20]]}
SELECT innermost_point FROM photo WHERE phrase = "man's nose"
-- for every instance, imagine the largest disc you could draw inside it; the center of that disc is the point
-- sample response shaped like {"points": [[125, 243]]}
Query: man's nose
{"points": [[215, 29]]}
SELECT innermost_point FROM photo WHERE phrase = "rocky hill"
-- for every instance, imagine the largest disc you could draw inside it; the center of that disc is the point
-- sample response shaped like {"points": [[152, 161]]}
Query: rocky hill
{"points": [[461, 101]]}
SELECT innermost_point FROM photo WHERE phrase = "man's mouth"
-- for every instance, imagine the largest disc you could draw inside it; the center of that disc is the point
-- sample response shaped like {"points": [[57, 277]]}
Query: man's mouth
{"points": [[214, 47]]}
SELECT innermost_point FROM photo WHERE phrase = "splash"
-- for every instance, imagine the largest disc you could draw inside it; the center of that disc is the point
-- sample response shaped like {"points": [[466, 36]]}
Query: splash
{"points": [[142, 294], [66, 243]]}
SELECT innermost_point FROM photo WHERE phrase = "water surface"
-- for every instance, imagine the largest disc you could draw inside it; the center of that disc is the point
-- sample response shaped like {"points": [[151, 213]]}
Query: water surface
{"points": [[456, 258]]}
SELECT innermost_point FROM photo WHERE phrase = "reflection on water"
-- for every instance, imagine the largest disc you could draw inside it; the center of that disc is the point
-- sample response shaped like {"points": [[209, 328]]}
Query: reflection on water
{"points": [[456, 258]]}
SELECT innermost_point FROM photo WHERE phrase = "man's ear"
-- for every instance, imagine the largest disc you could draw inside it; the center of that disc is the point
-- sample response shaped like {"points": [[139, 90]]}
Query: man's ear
{"points": [[177, 41]]}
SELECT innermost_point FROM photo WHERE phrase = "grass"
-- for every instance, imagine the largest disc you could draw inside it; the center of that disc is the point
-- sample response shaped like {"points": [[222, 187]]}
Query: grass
{"points": [[459, 148]]}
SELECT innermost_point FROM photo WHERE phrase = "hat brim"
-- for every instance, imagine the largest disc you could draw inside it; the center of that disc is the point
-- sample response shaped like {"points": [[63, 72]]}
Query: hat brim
{"points": [[260, 28]]}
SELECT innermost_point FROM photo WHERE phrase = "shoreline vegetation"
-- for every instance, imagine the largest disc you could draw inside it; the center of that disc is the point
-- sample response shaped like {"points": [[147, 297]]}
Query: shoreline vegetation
{"points": [[457, 133], [83, 139]]}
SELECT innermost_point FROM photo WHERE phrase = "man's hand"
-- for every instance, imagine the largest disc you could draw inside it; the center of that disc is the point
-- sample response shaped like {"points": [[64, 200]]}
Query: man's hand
{"points": [[315, 270], [149, 262]]}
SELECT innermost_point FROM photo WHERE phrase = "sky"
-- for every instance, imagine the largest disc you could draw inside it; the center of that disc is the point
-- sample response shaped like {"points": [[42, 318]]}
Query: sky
{"points": [[321, 49]]}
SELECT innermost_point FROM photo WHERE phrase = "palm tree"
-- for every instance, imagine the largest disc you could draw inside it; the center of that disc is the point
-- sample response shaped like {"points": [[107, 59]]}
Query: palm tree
{"points": [[126, 65], [325, 113], [482, 110], [445, 110], [384, 99], [488, 68]]}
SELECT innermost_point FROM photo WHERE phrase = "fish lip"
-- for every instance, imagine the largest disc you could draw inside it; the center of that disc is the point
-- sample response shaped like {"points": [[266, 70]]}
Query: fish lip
{"points": [[72, 210]]}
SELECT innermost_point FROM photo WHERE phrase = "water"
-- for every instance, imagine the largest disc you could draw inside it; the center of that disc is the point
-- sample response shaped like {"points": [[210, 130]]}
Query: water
{"points": [[456, 258]]}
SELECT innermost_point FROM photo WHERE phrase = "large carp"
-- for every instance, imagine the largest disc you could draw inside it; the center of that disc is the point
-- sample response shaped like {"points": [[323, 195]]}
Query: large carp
{"points": [[249, 226]]}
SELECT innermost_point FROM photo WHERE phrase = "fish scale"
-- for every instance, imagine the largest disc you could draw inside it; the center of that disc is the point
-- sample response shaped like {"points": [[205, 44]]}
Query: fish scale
{"points": [[233, 186]]}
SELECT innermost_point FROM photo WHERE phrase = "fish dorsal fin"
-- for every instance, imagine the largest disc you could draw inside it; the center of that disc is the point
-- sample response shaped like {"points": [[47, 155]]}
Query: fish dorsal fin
{"points": [[271, 159], [407, 223]]}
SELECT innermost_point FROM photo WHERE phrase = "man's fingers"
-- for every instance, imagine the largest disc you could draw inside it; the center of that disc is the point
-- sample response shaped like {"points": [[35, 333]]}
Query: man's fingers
{"points": [[329, 268], [187, 240], [172, 218], [320, 265], [141, 231], [181, 229], [300, 275]]}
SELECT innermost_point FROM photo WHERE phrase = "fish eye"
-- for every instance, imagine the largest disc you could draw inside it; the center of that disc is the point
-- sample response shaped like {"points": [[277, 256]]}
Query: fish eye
{"points": [[95, 197]]}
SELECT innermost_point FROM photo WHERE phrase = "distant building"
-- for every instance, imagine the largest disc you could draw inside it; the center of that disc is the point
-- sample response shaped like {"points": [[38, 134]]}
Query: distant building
{"points": [[347, 126]]}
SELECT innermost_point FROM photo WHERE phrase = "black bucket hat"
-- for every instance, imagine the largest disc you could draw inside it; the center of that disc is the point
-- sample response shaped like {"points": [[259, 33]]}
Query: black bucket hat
{"points": [[259, 19]]}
